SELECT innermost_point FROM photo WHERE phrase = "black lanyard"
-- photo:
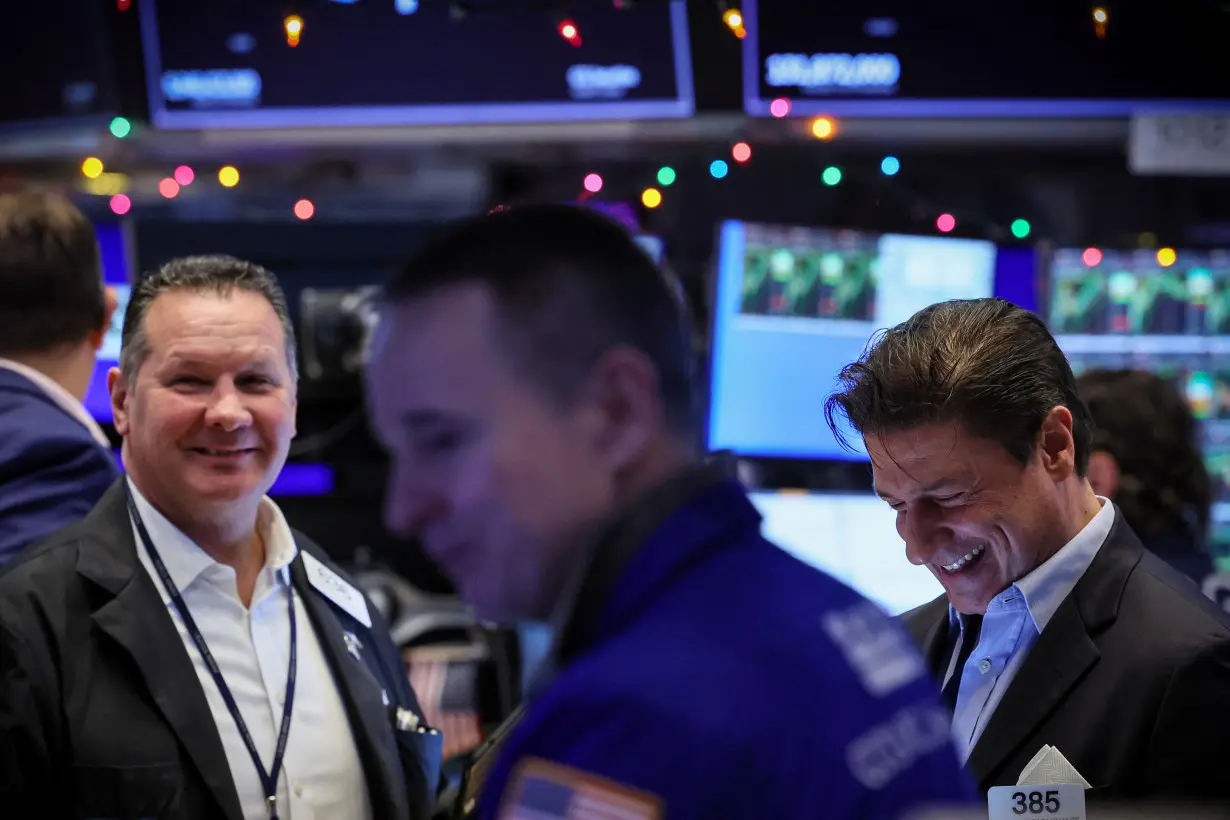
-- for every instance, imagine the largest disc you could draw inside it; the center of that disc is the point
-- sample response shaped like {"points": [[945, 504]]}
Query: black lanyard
{"points": [[269, 779]]}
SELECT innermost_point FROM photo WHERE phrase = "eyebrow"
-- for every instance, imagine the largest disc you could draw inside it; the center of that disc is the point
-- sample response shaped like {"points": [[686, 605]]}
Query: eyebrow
{"points": [[263, 363], [933, 487]]}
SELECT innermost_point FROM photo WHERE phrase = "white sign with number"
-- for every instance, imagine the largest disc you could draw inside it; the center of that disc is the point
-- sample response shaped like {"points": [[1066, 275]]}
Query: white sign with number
{"points": [[1055, 802]]}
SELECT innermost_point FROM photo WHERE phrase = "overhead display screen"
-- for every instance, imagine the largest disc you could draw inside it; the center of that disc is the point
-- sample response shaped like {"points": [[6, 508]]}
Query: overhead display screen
{"points": [[399, 62], [56, 64], [1048, 58]]}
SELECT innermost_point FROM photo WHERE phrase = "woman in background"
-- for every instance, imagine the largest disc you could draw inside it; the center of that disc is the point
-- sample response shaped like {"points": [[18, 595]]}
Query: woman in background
{"points": [[1146, 458]]}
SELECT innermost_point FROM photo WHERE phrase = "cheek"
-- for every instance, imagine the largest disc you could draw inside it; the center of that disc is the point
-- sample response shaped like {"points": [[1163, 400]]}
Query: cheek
{"points": [[163, 418], [274, 418]]}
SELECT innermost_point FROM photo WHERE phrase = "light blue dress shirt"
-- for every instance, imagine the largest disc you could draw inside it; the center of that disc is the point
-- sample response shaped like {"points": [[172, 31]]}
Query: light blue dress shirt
{"points": [[1013, 621]]}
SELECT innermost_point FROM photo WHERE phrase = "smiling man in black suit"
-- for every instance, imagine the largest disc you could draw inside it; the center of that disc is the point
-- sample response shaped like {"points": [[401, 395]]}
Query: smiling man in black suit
{"points": [[1058, 627], [182, 652]]}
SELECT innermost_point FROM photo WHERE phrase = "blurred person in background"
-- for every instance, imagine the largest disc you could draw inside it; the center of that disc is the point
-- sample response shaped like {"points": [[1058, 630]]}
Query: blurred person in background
{"points": [[1145, 456], [1058, 628], [55, 461], [182, 652], [532, 379]]}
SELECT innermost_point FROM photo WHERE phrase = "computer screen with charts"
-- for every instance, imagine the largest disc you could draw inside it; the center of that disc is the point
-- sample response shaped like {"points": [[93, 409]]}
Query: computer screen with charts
{"points": [[794, 305]]}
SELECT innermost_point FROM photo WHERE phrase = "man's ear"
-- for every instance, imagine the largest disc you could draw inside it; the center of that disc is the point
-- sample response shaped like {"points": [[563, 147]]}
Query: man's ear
{"points": [[623, 390], [1104, 474], [1058, 447], [118, 387], [111, 303]]}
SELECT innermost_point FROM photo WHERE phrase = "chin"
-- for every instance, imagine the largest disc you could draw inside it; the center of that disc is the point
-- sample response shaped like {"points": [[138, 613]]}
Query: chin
{"points": [[230, 488]]}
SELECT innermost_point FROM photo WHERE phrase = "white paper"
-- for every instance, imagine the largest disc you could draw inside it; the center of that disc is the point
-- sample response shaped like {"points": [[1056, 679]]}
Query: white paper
{"points": [[1049, 767]]}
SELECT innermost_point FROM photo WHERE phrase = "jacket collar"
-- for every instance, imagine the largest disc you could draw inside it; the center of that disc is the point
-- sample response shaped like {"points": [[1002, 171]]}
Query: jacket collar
{"points": [[640, 551], [109, 560]]}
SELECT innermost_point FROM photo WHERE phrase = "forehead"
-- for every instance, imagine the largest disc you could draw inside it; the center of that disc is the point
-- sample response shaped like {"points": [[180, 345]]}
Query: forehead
{"points": [[436, 347], [930, 457], [188, 323]]}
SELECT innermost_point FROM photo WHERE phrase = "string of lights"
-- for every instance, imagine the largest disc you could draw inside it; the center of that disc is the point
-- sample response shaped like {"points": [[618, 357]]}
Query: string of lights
{"points": [[822, 128]]}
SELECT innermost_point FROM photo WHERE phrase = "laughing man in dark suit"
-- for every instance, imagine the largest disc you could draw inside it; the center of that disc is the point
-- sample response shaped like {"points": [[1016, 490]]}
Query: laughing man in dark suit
{"points": [[1058, 627]]}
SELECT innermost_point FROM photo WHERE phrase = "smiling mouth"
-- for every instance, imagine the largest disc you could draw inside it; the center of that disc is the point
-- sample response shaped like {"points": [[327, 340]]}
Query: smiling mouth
{"points": [[223, 453], [963, 563]]}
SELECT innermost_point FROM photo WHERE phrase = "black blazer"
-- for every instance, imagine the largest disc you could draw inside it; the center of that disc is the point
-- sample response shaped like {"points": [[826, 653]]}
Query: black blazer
{"points": [[102, 714], [1130, 680]]}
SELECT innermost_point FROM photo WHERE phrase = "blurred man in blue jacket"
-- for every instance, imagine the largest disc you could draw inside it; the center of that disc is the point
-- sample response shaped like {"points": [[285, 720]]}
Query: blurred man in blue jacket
{"points": [[55, 461], [532, 378]]}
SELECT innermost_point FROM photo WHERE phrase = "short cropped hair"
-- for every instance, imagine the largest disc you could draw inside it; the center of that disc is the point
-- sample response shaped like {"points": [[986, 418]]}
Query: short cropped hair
{"points": [[568, 284], [986, 364], [217, 275], [51, 289], [1146, 425]]}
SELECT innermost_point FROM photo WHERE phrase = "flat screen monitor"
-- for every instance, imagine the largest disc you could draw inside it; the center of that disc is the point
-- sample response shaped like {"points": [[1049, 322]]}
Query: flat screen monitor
{"points": [[1126, 310], [116, 261], [795, 305], [1050, 58], [852, 538], [57, 65], [411, 63]]}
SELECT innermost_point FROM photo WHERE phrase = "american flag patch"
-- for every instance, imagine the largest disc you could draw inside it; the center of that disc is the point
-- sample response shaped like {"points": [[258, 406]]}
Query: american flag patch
{"points": [[548, 791]]}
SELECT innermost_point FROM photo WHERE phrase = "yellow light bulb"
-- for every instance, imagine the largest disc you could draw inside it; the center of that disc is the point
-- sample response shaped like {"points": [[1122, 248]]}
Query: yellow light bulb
{"points": [[823, 128], [228, 175], [651, 198], [92, 167]]}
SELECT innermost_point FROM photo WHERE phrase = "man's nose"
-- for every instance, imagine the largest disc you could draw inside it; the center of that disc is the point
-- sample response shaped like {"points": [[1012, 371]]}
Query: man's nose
{"points": [[227, 410], [409, 505], [920, 528]]}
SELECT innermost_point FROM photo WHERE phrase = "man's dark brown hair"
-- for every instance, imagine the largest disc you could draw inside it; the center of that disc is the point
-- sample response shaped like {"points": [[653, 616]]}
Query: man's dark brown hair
{"points": [[569, 284], [51, 289], [986, 364], [1145, 424]]}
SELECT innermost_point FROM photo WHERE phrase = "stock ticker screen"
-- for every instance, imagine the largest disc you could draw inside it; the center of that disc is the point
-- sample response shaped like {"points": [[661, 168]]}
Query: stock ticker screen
{"points": [[967, 58], [794, 305], [1125, 309], [401, 62]]}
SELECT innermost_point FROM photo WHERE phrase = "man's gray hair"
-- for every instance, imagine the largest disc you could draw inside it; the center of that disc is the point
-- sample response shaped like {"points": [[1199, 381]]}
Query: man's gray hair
{"points": [[216, 275]]}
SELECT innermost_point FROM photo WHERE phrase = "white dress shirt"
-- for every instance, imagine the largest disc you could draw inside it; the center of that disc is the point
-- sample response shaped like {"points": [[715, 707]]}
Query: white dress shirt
{"points": [[1013, 622], [65, 400], [322, 777]]}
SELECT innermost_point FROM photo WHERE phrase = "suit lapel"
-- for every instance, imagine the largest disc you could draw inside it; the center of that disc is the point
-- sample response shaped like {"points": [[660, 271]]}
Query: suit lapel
{"points": [[136, 619], [1064, 653], [365, 707], [928, 626], [1057, 662]]}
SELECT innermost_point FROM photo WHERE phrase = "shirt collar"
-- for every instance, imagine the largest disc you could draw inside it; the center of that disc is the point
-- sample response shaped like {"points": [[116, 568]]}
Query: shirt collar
{"points": [[66, 401], [185, 561], [1045, 588]]}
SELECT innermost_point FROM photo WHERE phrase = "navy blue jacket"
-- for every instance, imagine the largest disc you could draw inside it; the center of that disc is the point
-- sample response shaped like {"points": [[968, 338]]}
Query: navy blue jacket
{"points": [[711, 674], [52, 471]]}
